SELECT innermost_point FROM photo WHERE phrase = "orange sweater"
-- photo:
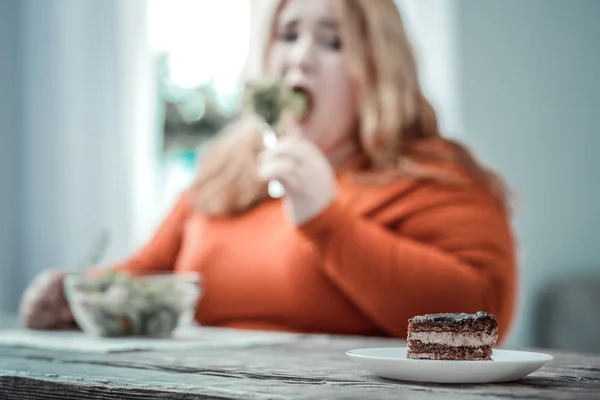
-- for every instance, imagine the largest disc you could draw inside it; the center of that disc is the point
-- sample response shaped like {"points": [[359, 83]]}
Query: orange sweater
{"points": [[373, 259]]}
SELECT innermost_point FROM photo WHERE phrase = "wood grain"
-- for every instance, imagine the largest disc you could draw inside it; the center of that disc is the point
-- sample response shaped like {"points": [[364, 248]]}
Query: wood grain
{"points": [[313, 366]]}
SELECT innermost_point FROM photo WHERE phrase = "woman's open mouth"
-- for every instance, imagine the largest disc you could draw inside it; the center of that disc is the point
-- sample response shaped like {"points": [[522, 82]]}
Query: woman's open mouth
{"points": [[309, 101]]}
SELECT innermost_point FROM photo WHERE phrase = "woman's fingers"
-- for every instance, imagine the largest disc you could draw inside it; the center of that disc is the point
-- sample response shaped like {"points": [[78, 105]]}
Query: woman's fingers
{"points": [[43, 305], [275, 167]]}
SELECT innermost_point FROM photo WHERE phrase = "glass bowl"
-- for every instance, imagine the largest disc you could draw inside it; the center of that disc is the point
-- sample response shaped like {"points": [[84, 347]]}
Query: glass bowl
{"points": [[117, 304]]}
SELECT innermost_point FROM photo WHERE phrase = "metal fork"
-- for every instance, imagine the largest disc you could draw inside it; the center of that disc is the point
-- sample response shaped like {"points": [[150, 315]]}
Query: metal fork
{"points": [[269, 137]]}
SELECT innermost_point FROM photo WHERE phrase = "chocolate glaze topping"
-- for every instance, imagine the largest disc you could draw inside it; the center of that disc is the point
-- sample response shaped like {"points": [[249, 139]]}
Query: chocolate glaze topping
{"points": [[453, 318]]}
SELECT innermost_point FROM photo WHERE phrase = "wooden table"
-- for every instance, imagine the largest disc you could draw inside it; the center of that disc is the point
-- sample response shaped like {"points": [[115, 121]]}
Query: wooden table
{"points": [[307, 367]]}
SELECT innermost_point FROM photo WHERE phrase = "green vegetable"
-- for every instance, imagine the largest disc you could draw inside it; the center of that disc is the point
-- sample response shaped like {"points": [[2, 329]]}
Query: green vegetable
{"points": [[122, 305], [110, 277], [269, 98]]}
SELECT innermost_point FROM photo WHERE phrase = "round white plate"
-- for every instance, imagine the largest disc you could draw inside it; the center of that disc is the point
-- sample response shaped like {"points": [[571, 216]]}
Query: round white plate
{"points": [[506, 366]]}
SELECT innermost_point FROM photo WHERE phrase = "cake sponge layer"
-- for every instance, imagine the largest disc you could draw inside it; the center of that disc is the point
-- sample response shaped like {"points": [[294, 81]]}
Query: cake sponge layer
{"points": [[468, 339], [431, 351]]}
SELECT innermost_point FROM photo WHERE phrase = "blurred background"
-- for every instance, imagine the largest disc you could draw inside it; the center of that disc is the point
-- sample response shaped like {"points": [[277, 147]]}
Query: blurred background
{"points": [[106, 104]]}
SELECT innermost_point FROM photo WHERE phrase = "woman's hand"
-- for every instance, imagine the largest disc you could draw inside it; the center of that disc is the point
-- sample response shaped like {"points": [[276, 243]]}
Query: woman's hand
{"points": [[304, 172], [43, 305]]}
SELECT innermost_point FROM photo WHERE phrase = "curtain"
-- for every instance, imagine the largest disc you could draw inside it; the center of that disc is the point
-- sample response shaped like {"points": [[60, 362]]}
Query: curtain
{"points": [[87, 160], [10, 280]]}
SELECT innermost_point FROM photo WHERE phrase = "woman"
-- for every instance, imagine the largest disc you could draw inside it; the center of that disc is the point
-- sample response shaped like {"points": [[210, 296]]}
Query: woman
{"points": [[382, 219]]}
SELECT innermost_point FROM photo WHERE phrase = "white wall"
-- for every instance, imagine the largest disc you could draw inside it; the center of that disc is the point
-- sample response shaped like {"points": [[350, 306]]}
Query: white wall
{"points": [[431, 26], [9, 147], [531, 96]]}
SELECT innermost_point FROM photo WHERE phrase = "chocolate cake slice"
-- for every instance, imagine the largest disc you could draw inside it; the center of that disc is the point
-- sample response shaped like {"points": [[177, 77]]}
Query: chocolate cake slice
{"points": [[452, 336]]}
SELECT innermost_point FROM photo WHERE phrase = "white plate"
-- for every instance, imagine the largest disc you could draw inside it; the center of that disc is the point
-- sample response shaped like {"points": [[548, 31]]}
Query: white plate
{"points": [[506, 366]]}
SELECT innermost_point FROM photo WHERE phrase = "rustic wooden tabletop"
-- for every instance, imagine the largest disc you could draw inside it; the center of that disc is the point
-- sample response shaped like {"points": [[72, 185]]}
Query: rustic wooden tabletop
{"points": [[305, 367]]}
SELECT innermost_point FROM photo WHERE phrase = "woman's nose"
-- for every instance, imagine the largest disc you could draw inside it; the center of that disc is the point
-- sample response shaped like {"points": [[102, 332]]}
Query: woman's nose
{"points": [[302, 55]]}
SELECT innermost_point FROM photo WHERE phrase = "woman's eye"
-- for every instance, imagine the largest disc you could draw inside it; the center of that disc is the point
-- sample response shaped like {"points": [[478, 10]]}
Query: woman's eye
{"points": [[332, 43], [288, 36]]}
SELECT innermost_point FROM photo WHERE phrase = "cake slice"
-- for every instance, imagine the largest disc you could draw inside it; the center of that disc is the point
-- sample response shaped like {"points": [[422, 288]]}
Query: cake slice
{"points": [[452, 336]]}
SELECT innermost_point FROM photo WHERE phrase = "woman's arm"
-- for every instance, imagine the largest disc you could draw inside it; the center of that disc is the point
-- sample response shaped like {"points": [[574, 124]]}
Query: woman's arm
{"points": [[160, 254], [455, 256]]}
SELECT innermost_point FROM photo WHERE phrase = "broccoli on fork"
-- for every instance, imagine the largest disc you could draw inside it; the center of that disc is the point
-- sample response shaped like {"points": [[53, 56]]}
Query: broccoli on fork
{"points": [[269, 98]]}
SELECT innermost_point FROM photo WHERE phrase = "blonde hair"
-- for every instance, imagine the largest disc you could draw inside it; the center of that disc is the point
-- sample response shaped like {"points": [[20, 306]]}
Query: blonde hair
{"points": [[396, 120]]}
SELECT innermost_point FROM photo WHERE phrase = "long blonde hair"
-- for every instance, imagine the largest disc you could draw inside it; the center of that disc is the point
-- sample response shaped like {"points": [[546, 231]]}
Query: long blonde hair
{"points": [[396, 120]]}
